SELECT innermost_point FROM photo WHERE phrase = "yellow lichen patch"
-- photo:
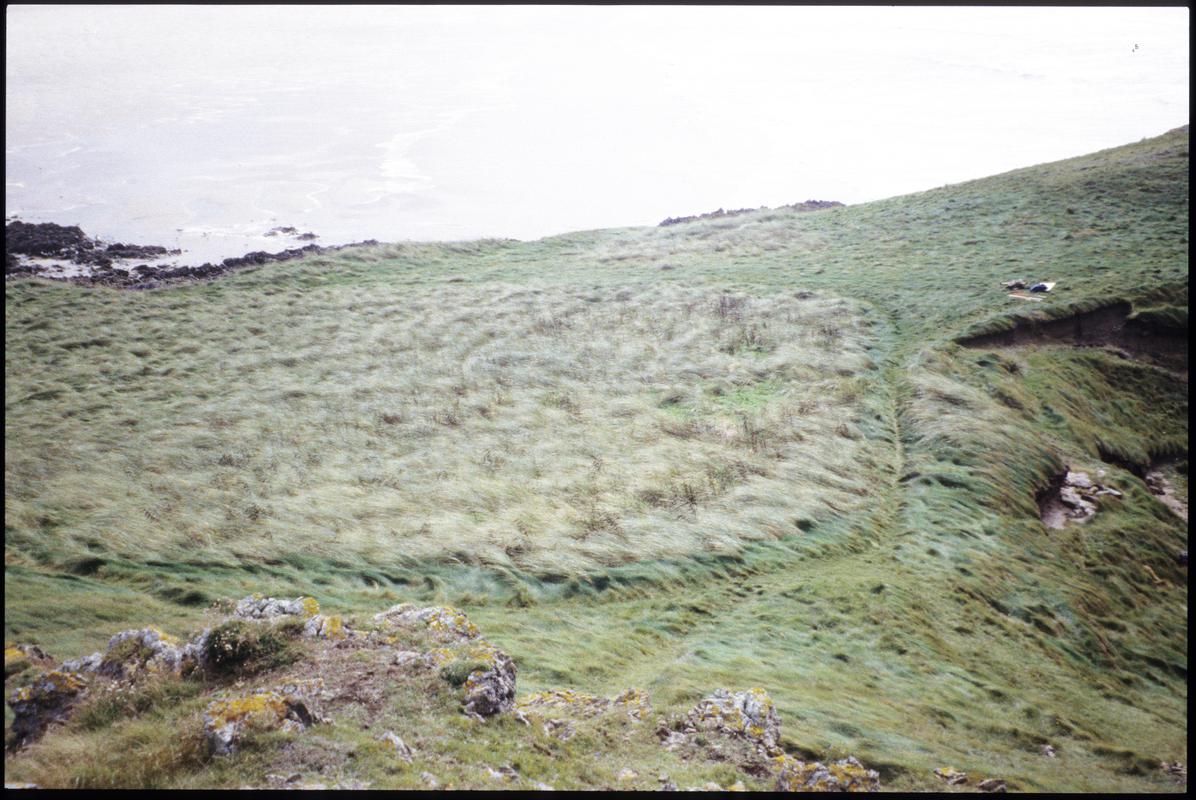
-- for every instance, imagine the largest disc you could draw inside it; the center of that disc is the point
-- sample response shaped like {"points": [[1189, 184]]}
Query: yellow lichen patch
{"points": [[65, 681], [847, 775], [333, 627], [53, 684], [166, 638], [269, 708], [12, 654], [311, 606], [635, 701], [450, 620], [441, 655]]}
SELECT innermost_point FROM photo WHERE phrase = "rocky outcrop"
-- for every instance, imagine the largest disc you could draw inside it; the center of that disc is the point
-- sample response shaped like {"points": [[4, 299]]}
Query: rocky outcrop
{"points": [[748, 720], [448, 622], [400, 748], [1071, 498], [488, 679], [70, 243], [257, 606], [749, 714], [48, 699], [740, 728], [844, 775], [133, 653], [289, 708], [20, 657]]}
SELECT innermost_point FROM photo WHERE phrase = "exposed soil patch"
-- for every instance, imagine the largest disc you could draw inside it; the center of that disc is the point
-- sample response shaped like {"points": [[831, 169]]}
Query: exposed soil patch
{"points": [[1109, 326], [1161, 480], [1070, 497], [71, 244]]}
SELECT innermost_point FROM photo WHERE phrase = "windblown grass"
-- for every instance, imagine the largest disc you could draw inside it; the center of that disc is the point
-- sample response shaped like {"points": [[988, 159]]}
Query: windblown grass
{"points": [[738, 452]]}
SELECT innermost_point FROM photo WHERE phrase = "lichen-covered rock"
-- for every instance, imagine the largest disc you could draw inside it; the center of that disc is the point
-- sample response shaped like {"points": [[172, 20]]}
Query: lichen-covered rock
{"points": [[147, 650], [398, 745], [48, 699], [845, 775], [635, 702], [20, 657], [952, 776], [750, 714], [289, 709], [89, 663], [448, 622], [490, 686], [491, 691], [257, 606], [406, 658], [322, 627]]}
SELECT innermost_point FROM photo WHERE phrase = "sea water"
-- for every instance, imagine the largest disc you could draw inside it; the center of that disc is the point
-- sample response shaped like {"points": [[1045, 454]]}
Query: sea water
{"points": [[205, 127]]}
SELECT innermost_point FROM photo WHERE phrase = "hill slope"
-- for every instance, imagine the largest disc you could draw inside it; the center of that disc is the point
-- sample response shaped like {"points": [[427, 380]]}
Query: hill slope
{"points": [[801, 451]]}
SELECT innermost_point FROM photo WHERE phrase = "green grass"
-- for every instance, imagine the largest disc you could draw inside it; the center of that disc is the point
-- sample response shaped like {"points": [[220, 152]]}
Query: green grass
{"points": [[768, 464]]}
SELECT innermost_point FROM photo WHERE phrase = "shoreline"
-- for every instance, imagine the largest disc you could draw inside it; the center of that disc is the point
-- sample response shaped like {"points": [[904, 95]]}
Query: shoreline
{"points": [[37, 250]]}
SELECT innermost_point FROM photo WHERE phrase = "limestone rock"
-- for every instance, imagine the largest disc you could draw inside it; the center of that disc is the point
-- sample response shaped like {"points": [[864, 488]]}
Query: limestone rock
{"points": [[20, 657], [288, 709], [953, 777], [492, 691], [49, 698], [145, 650], [845, 775], [89, 663], [992, 785], [750, 714], [400, 747], [449, 622], [257, 606], [490, 687], [404, 658], [322, 627], [1078, 479]]}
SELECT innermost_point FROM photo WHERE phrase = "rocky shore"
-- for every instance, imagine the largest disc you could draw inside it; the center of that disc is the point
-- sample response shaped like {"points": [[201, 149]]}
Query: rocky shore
{"points": [[114, 264]]}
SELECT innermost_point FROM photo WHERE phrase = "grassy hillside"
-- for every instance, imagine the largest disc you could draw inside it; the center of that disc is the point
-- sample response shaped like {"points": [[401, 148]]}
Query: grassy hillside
{"points": [[742, 452]]}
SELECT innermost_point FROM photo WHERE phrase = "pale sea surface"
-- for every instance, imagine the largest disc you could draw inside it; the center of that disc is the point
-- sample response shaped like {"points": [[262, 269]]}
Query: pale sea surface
{"points": [[204, 127]]}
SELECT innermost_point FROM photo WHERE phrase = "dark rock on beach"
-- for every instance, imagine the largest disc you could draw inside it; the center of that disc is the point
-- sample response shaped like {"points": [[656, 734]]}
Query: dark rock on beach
{"points": [[44, 239], [70, 243]]}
